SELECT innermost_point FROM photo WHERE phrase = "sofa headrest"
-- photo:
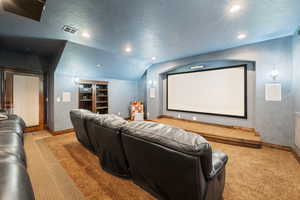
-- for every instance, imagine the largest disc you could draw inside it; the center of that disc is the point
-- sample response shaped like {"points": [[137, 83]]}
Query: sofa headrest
{"points": [[80, 113], [169, 136], [110, 121]]}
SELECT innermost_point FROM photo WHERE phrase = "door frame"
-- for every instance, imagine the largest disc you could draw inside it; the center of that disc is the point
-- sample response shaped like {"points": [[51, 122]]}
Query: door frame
{"points": [[40, 75]]}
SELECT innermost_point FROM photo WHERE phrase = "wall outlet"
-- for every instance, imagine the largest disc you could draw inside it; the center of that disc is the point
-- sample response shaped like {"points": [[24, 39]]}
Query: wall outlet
{"points": [[179, 116], [148, 113], [194, 118], [119, 113]]}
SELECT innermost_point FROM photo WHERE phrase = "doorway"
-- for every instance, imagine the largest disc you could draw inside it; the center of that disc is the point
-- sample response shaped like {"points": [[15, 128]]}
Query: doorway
{"points": [[26, 98], [23, 96]]}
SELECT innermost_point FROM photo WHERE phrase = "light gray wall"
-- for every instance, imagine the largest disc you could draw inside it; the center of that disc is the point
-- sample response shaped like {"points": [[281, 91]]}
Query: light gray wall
{"points": [[142, 91], [52, 67], [296, 85], [273, 120], [80, 61], [296, 65], [249, 122], [120, 94]]}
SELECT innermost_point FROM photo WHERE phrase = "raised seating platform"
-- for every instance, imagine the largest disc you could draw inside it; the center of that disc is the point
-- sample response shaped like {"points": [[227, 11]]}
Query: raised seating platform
{"points": [[225, 134]]}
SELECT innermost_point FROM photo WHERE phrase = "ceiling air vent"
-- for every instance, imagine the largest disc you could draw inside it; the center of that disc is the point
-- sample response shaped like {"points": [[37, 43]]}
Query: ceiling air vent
{"points": [[70, 29]]}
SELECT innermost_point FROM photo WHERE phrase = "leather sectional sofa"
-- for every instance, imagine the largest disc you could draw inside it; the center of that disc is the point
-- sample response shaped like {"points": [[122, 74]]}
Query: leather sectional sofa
{"points": [[14, 183], [166, 161]]}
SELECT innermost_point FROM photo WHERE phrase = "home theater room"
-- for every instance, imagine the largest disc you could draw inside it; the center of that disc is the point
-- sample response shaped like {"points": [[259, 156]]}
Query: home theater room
{"points": [[149, 100]]}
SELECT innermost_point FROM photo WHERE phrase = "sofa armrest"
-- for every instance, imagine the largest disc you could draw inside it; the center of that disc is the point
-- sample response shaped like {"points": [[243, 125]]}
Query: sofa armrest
{"points": [[219, 160]]}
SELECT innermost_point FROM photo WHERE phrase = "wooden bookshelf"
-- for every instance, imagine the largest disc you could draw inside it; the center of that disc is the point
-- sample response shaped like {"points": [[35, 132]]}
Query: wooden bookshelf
{"points": [[101, 98], [93, 96]]}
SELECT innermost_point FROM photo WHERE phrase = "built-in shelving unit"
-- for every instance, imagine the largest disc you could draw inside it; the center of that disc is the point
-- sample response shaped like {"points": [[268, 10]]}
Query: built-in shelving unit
{"points": [[101, 98], [93, 96]]}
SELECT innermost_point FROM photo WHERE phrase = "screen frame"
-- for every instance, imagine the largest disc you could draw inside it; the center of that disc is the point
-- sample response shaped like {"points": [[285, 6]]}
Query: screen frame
{"points": [[245, 116]]}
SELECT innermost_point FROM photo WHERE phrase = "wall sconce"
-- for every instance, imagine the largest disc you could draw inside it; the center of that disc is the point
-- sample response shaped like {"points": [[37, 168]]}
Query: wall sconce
{"points": [[275, 74], [152, 83]]}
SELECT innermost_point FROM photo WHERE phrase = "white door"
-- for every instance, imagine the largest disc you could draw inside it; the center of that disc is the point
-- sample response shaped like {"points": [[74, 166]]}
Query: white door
{"points": [[26, 98]]}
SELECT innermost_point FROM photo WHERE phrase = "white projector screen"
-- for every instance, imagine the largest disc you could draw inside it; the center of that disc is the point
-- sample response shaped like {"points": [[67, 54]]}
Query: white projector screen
{"points": [[219, 91]]}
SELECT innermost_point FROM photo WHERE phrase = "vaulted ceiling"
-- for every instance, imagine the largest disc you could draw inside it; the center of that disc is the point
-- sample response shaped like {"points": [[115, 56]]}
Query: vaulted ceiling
{"points": [[166, 29]]}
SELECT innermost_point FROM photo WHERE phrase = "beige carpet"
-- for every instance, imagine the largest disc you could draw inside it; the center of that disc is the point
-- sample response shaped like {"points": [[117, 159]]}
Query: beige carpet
{"points": [[252, 174]]}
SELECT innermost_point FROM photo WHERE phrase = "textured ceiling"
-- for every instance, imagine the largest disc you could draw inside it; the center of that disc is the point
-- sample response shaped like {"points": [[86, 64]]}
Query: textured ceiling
{"points": [[167, 29], [41, 47]]}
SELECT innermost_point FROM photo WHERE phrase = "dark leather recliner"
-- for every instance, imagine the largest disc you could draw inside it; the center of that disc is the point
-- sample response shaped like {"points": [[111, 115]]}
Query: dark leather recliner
{"points": [[173, 164], [107, 135], [78, 119], [101, 135], [168, 162], [15, 183]]}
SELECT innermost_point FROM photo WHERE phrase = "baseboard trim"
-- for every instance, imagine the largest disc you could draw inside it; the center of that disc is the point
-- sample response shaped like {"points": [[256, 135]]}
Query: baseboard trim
{"points": [[277, 146], [60, 132], [207, 123], [296, 154], [35, 128]]}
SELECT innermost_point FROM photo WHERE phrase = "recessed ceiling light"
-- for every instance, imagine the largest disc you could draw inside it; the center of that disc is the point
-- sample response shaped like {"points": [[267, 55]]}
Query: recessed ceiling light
{"points": [[198, 67], [242, 36], [153, 58], [128, 49], [86, 35], [235, 8], [98, 65]]}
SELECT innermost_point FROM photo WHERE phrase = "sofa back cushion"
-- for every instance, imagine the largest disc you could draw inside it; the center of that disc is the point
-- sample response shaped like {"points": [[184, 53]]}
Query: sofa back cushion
{"points": [[175, 139], [170, 136], [111, 121], [161, 163], [106, 136]]}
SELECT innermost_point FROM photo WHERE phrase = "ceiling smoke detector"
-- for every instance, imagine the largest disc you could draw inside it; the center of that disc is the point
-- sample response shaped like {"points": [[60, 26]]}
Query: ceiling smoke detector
{"points": [[69, 29]]}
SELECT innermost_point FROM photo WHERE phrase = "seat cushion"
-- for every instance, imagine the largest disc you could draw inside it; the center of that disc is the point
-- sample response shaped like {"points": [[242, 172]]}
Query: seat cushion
{"points": [[172, 137], [14, 182]]}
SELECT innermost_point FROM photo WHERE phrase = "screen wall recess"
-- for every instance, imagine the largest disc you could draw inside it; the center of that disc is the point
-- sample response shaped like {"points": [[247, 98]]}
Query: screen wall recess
{"points": [[221, 91]]}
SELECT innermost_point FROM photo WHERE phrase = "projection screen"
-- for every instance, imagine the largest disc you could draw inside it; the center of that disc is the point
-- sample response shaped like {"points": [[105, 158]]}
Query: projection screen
{"points": [[219, 91]]}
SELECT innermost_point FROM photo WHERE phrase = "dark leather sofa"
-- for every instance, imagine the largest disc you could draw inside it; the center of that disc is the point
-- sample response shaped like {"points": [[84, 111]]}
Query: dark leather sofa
{"points": [[166, 161], [101, 134], [78, 119], [14, 182], [173, 164]]}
